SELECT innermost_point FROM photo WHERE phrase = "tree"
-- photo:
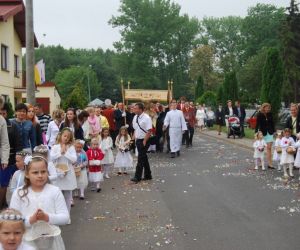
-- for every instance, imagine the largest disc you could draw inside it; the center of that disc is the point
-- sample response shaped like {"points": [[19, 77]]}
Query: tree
{"points": [[290, 37], [261, 28], [155, 42], [224, 35], [76, 99], [202, 63], [220, 95], [250, 77], [230, 87], [209, 98], [272, 80], [67, 79], [199, 90]]}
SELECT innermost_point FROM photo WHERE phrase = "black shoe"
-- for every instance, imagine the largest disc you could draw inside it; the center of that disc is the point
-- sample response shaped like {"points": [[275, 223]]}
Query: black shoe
{"points": [[187, 146], [81, 198], [147, 179], [271, 167], [119, 173], [98, 190], [172, 155], [178, 153], [135, 180]]}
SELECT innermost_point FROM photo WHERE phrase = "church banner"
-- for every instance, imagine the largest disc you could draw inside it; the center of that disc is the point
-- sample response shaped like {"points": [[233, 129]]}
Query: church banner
{"points": [[146, 95]]}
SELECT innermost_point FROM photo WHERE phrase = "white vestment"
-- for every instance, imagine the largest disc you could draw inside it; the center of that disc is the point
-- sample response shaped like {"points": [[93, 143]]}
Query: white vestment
{"points": [[176, 123]]}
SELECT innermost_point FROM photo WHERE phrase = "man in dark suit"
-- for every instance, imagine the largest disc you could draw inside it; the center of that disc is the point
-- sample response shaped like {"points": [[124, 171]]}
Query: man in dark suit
{"points": [[293, 121], [241, 113], [119, 115]]}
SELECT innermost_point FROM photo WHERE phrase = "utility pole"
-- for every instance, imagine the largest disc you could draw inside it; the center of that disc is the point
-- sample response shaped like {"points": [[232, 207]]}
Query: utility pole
{"points": [[30, 85]]}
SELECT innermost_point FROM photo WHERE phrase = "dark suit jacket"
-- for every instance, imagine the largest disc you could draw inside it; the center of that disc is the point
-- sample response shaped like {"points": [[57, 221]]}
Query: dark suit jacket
{"points": [[243, 113], [14, 142], [220, 117], [289, 123], [119, 119], [265, 123], [226, 110]]}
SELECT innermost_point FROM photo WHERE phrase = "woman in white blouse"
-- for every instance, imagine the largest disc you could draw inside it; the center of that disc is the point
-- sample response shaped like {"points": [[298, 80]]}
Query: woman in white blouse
{"points": [[53, 127]]}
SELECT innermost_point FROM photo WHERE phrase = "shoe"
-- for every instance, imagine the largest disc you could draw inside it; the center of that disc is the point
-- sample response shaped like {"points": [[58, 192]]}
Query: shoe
{"points": [[72, 203], [135, 180], [119, 173], [98, 190], [81, 198], [125, 173], [178, 153], [256, 168], [263, 168], [187, 146], [172, 155], [107, 176], [147, 179], [285, 176], [271, 167], [69, 222]]}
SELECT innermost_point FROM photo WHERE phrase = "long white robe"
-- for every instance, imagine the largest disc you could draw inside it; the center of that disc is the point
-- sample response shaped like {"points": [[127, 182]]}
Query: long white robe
{"points": [[176, 123]]}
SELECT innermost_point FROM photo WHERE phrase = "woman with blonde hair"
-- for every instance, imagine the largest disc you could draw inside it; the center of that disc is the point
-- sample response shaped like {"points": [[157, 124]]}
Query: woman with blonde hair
{"points": [[53, 127], [265, 124]]}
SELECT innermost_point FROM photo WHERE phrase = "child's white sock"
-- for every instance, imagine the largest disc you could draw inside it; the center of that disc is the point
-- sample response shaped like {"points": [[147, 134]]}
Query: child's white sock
{"points": [[279, 167], [81, 192], [285, 174], [291, 170], [256, 164], [262, 164]]}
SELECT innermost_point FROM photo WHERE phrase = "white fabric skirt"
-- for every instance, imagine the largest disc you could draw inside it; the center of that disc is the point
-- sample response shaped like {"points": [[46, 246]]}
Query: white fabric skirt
{"points": [[95, 176], [124, 160], [175, 139], [68, 182], [297, 160], [108, 157], [82, 180], [286, 158], [58, 244], [200, 122]]}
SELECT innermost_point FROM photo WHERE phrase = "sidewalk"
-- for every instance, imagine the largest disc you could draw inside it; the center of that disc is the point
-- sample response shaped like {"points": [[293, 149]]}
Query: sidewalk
{"points": [[242, 142]]}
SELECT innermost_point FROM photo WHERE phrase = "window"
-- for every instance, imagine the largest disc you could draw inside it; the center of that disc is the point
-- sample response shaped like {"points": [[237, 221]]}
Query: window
{"points": [[16, 65], [4, 57]]}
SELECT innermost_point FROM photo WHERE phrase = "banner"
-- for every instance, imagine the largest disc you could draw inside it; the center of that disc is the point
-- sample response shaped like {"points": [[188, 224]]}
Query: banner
{"points": [[39, 72], [146, 95]]}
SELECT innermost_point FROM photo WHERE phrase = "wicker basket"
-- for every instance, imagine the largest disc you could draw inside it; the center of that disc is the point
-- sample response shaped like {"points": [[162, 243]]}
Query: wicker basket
{"points": [[77, 170], [291, 150], [278, 150], [63, 167]]}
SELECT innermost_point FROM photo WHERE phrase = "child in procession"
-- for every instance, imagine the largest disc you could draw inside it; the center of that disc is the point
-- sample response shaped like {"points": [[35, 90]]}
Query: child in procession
{"points": [[288, 151], [81, 164], [12, 229], [63, 155], [123, 158], [297, 160], [17, 180], [106, 145], [278, 150], [40, 202], [259, 147], [95, 155]]}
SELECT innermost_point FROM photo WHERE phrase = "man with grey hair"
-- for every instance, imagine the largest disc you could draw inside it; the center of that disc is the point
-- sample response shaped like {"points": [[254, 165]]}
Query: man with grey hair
{"points": [[4, 142]]}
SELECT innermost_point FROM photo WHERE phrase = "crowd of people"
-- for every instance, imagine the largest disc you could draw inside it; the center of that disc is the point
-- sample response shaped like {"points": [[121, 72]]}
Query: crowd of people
{"points": [[46, 160]]}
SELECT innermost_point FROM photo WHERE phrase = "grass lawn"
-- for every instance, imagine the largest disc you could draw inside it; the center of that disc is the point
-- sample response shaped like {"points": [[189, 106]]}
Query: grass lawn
{"points": [[249, 133]]}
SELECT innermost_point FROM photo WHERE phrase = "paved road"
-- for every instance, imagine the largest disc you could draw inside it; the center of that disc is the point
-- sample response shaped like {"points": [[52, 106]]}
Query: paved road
{"points": [[210, 198]]}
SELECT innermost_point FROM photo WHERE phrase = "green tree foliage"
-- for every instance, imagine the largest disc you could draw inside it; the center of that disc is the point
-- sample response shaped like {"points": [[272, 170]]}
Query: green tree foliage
{"points": [[250, 77], [272, 81], [260, 28], [230, 87], [10, 112], [67, 79], [199, 89], [290, 37], [209, 98], [155, 42], [220, 95], [224, 35], [75, 99]]}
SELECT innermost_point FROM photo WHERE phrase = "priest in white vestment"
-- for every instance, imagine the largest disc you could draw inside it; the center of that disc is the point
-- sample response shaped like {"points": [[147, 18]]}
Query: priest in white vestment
{"points": [[176, 123]]}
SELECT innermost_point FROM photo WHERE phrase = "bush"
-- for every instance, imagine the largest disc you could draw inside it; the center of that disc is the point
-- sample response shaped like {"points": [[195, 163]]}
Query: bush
{"points": [[209, 98]]}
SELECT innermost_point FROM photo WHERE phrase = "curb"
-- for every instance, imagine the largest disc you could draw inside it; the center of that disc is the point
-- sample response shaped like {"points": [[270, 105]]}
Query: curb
{"points": [[233, 141]]}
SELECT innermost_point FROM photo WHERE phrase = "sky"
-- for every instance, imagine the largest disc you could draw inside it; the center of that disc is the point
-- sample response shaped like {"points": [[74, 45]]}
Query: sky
{"points": [[84, 24]]}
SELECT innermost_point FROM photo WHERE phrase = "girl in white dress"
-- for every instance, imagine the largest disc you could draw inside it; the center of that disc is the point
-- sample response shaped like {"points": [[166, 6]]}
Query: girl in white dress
{"points": [[200, 117], [40, 202], [82, 162], [297, 160], [106, 145], [259, 147], [288, 150], [123, 159], [53, 127], [63, 155], [17, 180], [277, 150], [12, 229]]}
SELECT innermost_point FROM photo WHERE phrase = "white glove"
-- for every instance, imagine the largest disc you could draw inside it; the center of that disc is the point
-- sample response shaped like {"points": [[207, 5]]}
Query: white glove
{"points": [[92, 162]]}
